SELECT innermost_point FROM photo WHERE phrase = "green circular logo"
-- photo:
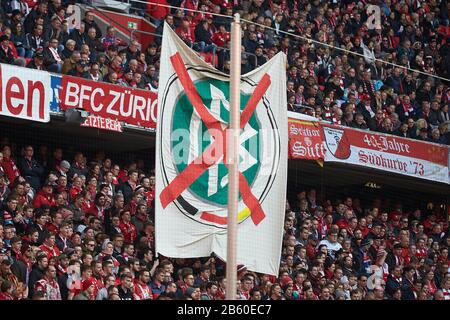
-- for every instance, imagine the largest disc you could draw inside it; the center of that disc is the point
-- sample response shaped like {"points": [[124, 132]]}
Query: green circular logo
{"points": [[190, 138]]}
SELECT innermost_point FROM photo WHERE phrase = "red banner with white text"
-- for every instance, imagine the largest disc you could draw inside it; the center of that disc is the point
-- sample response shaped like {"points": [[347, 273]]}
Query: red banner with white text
{"points": [[386, 152], [132, 106], [305, 140]]}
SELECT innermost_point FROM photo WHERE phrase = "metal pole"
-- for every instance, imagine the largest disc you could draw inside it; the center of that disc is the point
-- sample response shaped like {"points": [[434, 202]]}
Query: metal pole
{"points": [[233, 157]]}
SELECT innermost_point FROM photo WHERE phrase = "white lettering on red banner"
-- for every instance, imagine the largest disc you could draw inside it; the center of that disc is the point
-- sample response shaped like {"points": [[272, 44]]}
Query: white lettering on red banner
{"points": [[26, 95], [102, 123], [389, 153], [305, 140], [133, 106]]}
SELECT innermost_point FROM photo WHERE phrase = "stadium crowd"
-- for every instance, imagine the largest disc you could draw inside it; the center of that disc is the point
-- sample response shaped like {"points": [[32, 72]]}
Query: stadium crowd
{"points": [[322, 81], [83, 230]]}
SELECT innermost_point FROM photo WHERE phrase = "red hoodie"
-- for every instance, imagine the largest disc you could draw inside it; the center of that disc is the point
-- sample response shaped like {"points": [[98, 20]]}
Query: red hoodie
{"points": [[50, 252], [73, 192], [42, 199], [10, 169], [158, 12], [128, 231]]}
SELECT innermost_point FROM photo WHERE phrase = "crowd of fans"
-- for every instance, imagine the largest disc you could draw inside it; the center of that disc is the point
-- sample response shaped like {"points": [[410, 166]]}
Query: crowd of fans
{"points": [[78, 229], [333, 85], [84, 230]]}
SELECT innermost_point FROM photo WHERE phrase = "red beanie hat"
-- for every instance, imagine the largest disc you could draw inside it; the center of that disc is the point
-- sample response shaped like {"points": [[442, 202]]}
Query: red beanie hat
{"points": [[285, 281], [87, 283]]}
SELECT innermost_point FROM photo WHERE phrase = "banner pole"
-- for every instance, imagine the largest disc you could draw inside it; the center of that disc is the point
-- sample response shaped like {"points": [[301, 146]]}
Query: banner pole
{"points": [[233, 157]]}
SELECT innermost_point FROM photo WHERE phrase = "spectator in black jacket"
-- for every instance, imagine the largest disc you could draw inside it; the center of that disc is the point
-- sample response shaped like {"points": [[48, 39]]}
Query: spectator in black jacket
{"points": [[128, 187], [52, 60], [69, 48], [37, 273], [90, 23], [424, 93], [64, 35], [365, 108], [62, 240], [54, 30], [78, 167], [359, 122], [159, 30], [260, 58], [434, 117], [403, 131], [395, 81], [408, 286], [408, 84], [394, 281], [132, 51], [6, 55], [94, 43], [20, 266], [79, 36], [37, 62], [34, 41], [54, 6], [361, 258], [203, 38], [31, 170], [38, 11]]}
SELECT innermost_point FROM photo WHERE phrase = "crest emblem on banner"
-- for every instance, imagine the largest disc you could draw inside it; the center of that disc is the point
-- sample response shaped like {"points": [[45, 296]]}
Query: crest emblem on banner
{"points": [[336, 142], [205, 200]]}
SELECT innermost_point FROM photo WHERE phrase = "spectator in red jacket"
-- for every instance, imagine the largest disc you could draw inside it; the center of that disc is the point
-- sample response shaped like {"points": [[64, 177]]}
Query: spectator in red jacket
{"points": [[157, 13], [9, 166], [185, 32], [221, 37], [127, 228], [76, 188], [49, 246], [45, 196]]}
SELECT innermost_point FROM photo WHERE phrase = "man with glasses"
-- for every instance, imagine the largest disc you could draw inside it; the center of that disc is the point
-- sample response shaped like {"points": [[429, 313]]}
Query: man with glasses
{"points": [[102, 294], [90, 247], [331, 243]]}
